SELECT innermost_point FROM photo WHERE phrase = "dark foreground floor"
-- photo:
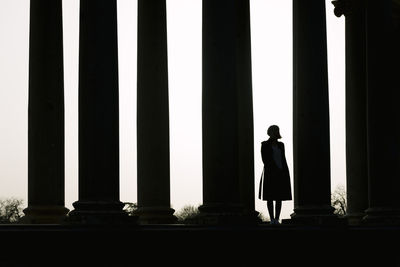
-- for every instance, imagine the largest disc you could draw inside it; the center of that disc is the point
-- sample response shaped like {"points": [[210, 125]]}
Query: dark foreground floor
{"points": [[178, 245]]}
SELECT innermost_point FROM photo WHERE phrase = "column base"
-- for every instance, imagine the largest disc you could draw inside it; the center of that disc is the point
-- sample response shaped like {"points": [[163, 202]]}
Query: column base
{"points": [[252, 217], [382, 217], [223, 214], [355, 219], [44, 215], [155, 215], [99, 213], [315, 216]]}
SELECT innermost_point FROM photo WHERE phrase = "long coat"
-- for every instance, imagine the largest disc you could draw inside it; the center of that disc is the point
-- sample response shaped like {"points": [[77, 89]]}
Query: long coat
{"points": [[275, 181]]}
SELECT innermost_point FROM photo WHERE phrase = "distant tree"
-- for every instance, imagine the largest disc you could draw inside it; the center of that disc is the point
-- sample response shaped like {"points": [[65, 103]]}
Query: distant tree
{"points": [[187, 214], [11, 210], [339, 200], [130, 208]]}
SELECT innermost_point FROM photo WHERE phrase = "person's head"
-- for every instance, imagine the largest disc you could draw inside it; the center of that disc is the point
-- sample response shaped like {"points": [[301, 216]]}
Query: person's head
{"points": [[273, 132]]}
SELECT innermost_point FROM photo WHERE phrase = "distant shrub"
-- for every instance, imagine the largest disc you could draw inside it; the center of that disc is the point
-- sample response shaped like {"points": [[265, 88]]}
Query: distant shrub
{"points": [[187, 214], [338, 200], [130, 208], [11, 210], [262, 217]]}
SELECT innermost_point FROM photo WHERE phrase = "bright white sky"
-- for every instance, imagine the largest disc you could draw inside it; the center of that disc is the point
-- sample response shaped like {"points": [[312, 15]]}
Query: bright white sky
{"points": [[271, 26]]}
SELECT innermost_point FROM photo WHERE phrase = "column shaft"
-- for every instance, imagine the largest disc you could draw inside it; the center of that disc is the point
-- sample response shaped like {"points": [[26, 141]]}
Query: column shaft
{"points": [[45, 115], [245, 109], [98, 114], [383, 113], [228, 174], [312, 194], [356, 117], [153, 164]]}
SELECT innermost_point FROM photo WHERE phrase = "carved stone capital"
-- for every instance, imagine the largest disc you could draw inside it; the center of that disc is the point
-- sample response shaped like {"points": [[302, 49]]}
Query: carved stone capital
{"points": [[340, 7], [349, 7]]}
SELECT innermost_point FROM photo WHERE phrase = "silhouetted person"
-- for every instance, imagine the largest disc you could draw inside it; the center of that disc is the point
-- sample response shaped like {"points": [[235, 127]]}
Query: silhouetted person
{"points": [[275, 180]]}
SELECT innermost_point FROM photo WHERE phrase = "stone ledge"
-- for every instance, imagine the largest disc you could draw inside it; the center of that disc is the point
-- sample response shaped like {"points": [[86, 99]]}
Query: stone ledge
{"points": [[205, 245]]}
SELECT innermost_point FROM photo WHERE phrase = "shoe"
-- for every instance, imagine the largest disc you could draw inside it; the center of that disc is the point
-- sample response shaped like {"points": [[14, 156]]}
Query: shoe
{"points": [[272, 221]]}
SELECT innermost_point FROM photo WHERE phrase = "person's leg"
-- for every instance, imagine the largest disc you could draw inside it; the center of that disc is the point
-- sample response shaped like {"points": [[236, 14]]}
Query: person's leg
{"points": [[270, 206], [278, 207]]}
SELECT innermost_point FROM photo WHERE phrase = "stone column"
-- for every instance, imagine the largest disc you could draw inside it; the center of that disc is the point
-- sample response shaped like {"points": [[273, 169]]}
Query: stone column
{"points": [[312, 192], [45, 115], [383, 113], [153, 171], [98, 115], [356, 101], [228, 174], [245, 111]]}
